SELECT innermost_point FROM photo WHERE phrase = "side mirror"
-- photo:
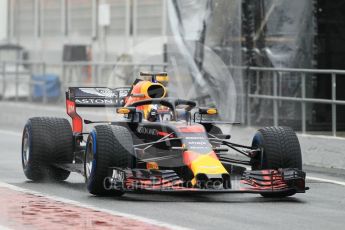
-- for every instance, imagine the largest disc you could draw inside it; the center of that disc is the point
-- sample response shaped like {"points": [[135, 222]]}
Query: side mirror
{"points": [[209, 111], [126, 110], [205, 111], [131, 112]]}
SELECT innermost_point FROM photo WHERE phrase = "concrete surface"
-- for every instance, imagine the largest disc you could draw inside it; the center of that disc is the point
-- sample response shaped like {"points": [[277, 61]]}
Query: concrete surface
{"points": [[322, 207]]}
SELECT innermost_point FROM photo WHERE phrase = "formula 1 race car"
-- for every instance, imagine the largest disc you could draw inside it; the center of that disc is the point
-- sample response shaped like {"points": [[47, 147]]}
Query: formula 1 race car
{"points": [[160, 144]]}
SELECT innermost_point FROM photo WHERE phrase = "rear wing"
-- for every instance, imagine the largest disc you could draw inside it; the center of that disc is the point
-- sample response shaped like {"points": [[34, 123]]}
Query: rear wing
{"points": [[92, 97], [97, 96]]}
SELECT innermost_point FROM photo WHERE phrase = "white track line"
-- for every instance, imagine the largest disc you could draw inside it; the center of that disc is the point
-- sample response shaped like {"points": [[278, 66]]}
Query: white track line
{"points": [[326, 180], [76, 203]]}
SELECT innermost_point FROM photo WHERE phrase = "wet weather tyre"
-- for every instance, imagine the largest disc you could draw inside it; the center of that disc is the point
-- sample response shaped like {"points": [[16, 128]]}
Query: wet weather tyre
{"points": [[107, 146], [280, 148], [46, 141]]}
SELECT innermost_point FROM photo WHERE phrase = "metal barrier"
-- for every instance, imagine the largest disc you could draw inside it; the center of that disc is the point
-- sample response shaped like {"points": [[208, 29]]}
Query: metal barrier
{"points": [[303, 99], [99, 74]]}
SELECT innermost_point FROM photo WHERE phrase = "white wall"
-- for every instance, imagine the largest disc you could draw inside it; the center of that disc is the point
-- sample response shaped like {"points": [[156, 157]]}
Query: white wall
{"points": [[3, 19]]}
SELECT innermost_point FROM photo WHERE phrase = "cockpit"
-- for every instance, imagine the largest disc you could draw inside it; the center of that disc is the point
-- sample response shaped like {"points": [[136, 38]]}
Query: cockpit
{"points": [[161, 110]]}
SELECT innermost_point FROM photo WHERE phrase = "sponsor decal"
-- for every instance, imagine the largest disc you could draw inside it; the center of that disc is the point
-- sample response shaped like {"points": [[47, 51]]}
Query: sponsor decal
{"points": [[123, 93], [148, 131], [102, 92], [118, 175], [115, 181], [154, 132], [70, 108], [95, 101], [197, 143], [199, 147], [191, 129], [152, 166], [195, 138]]}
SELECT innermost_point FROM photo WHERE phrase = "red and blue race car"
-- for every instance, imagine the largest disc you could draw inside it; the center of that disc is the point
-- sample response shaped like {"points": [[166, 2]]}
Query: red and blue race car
{"points": [[160, 144]]}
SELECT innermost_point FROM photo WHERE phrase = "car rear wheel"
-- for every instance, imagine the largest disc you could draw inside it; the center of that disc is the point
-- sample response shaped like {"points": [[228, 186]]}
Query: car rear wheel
{"points": [[279, 148], [107, 146], [46, 141]]}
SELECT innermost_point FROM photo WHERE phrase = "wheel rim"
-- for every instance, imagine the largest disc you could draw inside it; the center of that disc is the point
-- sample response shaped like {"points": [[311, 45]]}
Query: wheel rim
{"points": [[89, 161], [26, 149]]}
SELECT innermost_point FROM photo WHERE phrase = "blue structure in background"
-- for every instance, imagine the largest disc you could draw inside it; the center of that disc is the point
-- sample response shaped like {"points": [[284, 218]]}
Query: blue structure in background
{"points": [[50, 83]]}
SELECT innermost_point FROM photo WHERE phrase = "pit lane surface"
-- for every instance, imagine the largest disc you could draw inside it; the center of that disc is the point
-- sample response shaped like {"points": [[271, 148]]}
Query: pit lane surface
{"points": [[323, 207]]}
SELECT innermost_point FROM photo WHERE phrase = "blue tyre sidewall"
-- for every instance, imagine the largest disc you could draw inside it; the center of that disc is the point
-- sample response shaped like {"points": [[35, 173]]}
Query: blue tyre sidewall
{"points": [[258, 142], [94, 161], [27, 129]]}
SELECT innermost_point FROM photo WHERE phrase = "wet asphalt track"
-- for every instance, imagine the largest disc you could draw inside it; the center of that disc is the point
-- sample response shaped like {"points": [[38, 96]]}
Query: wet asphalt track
{"points": [[323, 207]]}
